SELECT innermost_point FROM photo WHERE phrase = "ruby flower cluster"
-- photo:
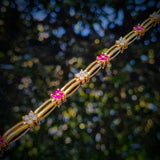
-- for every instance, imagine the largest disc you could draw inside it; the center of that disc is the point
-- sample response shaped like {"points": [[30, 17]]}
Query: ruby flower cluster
{"points": [[103, 59], [139, 30], [58, 96]]}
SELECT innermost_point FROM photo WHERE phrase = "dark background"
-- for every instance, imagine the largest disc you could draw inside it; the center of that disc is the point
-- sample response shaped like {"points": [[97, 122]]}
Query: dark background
{"points": [[44, 43]]}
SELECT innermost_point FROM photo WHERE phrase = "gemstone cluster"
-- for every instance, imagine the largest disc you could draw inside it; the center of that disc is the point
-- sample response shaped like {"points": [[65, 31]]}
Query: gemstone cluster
{"points": [[155, 17], [58, 96], [103, 59], [82, 77], [31, 119], [122, 44], [139, 30]]}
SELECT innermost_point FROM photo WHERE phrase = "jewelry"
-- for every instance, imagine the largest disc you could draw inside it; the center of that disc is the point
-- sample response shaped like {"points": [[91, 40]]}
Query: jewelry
{"points": [[59, 96]]}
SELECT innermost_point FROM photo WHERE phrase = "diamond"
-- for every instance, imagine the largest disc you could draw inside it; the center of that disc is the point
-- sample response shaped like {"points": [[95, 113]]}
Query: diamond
{"points": [[82, 76], [102, 57], [26, 118], [31, 119], [34, 118], [121, 44], [31, 114], [155, 17]]}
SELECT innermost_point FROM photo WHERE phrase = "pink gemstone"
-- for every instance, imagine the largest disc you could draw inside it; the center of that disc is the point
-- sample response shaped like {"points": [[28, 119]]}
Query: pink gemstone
{"points": [[103, 57], [58, 94], [1, 141], [139, 27]]}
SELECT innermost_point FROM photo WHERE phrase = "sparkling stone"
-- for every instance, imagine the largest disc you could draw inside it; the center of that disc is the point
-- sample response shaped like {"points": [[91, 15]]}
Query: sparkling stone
{"points": [[31, 114], [78, 75], [26, 118], [34, 118], [81, 78], [139, 27], [58, 94], [30, 121], [103, 57], [85, 74], [121, 42], [81, 75], [155, 16]]}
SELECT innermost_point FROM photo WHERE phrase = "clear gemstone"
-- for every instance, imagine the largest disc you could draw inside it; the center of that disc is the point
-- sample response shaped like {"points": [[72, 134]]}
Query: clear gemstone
{"points": [[34, 118], [81, 78], [30, 121], [85, 74], [78, 75], [31, 114], [26, 118]]}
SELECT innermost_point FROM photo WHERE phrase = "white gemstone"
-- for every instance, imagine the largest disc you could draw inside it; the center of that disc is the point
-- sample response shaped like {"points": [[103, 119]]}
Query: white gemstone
{"points": [[154, 15], [30, 121], [26, 118], [85, 74], [31, 114], [81, 78], [77, 75], [34, 118]]}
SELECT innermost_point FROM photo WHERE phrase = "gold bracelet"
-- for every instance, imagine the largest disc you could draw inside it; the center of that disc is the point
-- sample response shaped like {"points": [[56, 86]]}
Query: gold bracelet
{"points": [[59, 96]]}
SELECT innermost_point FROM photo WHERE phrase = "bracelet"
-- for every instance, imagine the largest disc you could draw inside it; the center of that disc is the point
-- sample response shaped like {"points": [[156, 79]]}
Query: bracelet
{"points": [[59, 96]]}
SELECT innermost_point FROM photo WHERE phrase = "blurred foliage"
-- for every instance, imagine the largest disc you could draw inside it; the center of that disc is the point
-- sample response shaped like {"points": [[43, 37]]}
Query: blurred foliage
{"points": [[44, 43]]}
